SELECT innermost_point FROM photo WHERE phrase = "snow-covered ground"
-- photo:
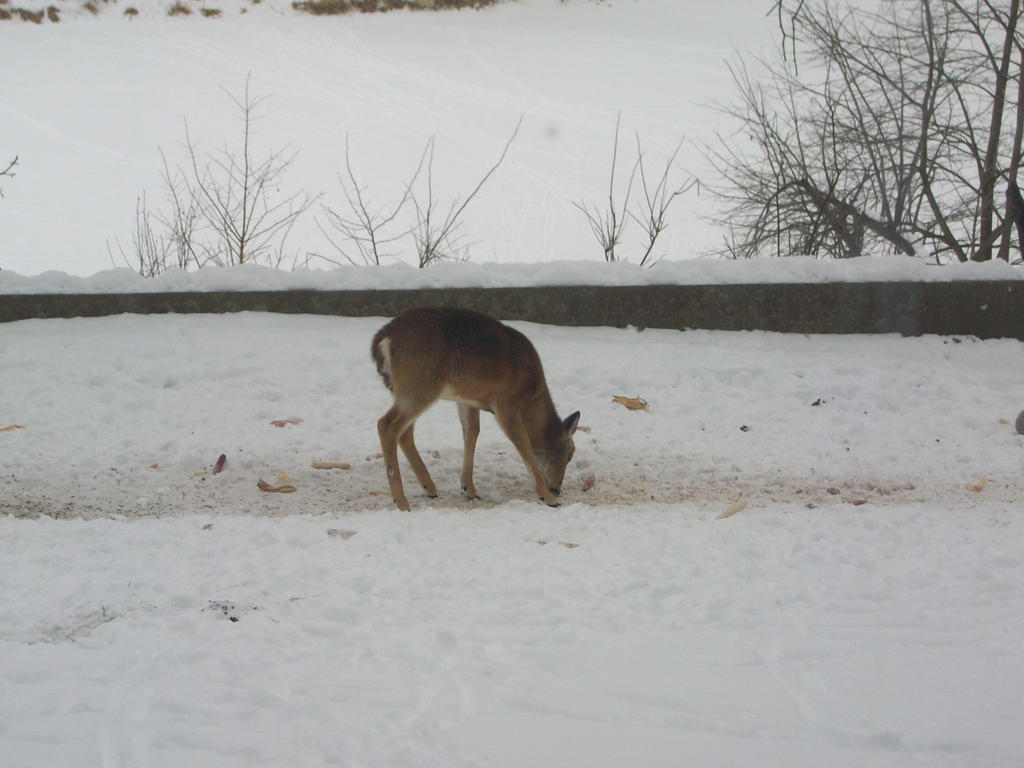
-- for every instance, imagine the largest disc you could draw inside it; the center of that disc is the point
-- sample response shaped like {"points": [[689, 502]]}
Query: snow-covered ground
{"points": [[95, 99], [865, 606]]}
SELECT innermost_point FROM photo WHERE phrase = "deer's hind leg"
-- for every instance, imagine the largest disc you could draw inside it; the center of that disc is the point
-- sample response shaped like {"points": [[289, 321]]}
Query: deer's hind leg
{"points": [[416, 462], [396, 428], [390, 427]]}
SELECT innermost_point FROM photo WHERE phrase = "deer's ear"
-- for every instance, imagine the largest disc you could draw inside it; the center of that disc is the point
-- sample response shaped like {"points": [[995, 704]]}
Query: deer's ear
{"points": [[570, 424]]}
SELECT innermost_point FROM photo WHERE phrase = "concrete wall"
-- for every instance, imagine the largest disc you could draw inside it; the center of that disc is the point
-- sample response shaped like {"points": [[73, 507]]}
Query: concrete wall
{"points": [[985, 309]]}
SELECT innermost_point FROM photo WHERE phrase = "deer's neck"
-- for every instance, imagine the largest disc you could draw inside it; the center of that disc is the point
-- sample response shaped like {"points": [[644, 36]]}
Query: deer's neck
{"points": [[541, 418]]}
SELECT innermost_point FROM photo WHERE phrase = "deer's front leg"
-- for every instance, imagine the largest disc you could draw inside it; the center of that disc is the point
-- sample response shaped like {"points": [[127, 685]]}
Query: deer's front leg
{"points": [[513, 426]]}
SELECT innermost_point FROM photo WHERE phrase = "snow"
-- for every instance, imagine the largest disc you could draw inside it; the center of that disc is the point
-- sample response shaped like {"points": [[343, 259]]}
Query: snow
{"points": [[496, 275], [97, 98], [863, 608], [807, 552]]}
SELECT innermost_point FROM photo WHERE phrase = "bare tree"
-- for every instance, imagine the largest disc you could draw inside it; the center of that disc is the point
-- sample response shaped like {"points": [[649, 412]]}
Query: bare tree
{"points": [[891, 131], [233, 196], [1015, 214], [8, 171]]}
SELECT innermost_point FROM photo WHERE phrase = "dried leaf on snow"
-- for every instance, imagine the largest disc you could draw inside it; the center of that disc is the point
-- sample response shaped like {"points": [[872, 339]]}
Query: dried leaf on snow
{"points": [[11, 428], [632, 403], [268, 488], [732, 509], [330, 465], [286, 422]]}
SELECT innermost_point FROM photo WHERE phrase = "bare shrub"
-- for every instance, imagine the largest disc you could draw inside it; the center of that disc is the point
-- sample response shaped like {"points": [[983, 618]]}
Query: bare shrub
{"points": [[436, 235], [652, 210], [233, 195], [222, 209], [367, 231], [608, 224], [149, 251]]}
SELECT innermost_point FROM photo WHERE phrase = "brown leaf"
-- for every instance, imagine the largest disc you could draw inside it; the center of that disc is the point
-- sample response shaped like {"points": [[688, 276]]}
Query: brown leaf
{"points": [[208, 527], [286, 422], [568, 544], [589, 481], [330, 465], [219, 466], [11, 428], [732, 509], [268, 488], [632, 403], [979, 486]]}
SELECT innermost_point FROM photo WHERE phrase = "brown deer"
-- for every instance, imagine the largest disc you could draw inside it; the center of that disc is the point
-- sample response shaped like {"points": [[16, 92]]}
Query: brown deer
{"points": [[435, 353]]}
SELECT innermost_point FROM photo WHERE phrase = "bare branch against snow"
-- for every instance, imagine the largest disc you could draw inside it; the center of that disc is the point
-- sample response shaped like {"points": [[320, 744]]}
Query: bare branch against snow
{"points": [[607, 225], [8, 172], [366, 232], [436, 236]]}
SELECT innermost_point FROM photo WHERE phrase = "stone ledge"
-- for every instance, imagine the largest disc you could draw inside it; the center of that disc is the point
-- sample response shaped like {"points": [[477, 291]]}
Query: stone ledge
{"points": [[986, 309]]}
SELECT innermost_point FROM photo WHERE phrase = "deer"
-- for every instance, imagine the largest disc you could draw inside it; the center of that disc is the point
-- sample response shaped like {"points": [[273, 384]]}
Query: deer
{"points": [[442, 353]]}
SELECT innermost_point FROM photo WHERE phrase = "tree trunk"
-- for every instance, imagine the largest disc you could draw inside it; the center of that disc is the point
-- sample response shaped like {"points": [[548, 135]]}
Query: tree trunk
{"points": [[990, 170], [1015, 213]]}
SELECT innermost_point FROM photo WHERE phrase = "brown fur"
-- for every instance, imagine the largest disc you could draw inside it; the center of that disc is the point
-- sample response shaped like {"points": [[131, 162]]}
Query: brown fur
{"points": [[426, 354]]}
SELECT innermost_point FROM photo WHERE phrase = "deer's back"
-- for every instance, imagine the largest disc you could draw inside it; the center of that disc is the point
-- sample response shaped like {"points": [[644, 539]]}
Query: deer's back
{"points": [[458, 354]]}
